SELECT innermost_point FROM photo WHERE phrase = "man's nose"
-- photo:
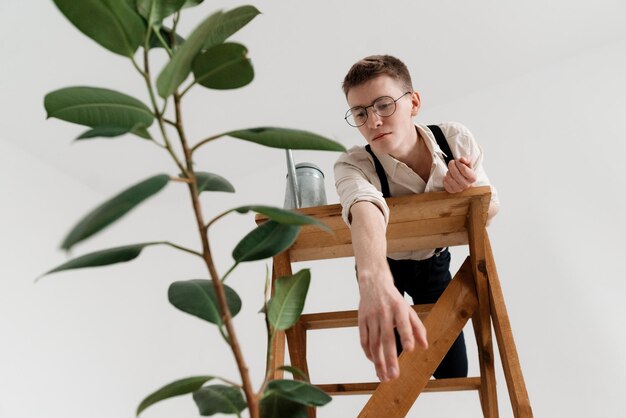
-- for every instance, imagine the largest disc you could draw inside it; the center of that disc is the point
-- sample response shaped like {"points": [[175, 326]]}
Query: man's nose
{"points": [[374, 120]]}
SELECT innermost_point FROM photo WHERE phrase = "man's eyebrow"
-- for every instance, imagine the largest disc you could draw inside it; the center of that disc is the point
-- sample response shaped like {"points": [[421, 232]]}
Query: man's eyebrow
{"points": [[371, 103]]}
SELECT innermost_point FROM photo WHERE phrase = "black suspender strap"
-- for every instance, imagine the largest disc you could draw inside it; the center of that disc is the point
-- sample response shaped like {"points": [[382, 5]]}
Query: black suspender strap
{"points": [[445, 147], [442, 142], [384, 184]]}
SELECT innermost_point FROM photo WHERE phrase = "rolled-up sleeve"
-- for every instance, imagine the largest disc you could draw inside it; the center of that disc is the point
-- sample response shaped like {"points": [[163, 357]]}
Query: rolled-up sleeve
{"points": [[354, 178], [466, 146]]}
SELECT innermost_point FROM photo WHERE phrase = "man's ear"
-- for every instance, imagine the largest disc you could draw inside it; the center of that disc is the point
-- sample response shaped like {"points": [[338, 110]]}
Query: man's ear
{"points": [[415, 103]]}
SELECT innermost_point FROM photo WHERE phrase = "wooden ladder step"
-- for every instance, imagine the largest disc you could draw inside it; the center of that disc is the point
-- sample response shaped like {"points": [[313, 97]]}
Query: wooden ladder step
{"points": [[343, 319], [433, 385]]}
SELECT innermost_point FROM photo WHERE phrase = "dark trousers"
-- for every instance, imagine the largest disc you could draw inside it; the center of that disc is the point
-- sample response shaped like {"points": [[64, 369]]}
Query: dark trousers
{"points": [[425, 281]]}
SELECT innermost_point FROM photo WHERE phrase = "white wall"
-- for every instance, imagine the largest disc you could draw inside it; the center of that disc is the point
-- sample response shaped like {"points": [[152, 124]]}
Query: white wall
{"points": [[95, 342]]}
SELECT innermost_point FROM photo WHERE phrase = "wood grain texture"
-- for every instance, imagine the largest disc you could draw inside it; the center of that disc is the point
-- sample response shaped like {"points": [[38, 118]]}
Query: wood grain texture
{"points": [[516, 386], [482, 317], [428, 220], [433, 385], [343, 319]]}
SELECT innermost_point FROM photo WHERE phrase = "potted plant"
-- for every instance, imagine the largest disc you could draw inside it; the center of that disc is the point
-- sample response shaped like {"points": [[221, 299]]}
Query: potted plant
{"points": [[204, 58]]}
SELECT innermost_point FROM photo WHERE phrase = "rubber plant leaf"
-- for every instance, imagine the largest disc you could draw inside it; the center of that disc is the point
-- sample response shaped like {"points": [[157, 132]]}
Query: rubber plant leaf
{"points": [[214, 30], [176, 388], [111, 23], [197, 297], [283, 216], [265, 241], [225, 66], [285, 307], [287, 139], [219, 399], [113, 209], [100, 109], [102, 257]]}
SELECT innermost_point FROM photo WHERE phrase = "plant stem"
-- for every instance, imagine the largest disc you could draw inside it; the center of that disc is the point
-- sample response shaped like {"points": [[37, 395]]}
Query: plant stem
{"points": [[162, 41], [193, 83], [204, 141], [178, 247], [159, 115], [271, 335], [218, 217], [251, 397], [229, 271]]}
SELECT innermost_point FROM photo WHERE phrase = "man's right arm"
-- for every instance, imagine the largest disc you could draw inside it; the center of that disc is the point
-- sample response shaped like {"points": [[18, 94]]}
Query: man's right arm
{"points": [[381, 307]]}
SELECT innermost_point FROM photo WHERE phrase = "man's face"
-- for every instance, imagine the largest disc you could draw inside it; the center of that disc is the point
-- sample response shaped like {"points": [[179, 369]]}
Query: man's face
{"points": [[390, 134]]}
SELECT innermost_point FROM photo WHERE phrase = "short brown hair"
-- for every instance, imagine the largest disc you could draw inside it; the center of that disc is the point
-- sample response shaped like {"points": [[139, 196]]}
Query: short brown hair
{"points": [[373, 66]]}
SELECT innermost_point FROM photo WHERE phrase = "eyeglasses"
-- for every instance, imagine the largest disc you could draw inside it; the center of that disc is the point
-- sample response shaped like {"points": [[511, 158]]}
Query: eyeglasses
{"points": [[383, 106]]}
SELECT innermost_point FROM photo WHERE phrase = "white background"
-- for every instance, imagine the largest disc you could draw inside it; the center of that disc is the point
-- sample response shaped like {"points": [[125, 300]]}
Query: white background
{"points": [[540, 84]]}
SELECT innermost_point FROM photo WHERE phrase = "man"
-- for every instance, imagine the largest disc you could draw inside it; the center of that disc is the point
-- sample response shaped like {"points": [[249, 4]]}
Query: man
{"points": [[382, 105]]}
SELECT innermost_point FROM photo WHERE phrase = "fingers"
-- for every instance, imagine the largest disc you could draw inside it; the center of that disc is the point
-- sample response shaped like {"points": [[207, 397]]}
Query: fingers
{"points": [[376, 350], [460, 176], [466, 170], [390, 367], [419, 330], [405, 329], [379, 349], [451, 185], [364, 336]]}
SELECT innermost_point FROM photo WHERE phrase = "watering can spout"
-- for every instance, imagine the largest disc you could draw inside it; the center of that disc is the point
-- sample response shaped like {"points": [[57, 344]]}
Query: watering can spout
{"points": [[292, 186]]}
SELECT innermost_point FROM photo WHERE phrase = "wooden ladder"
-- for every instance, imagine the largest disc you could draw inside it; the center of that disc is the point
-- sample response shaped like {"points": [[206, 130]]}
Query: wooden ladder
{"points": [[429, 220]]}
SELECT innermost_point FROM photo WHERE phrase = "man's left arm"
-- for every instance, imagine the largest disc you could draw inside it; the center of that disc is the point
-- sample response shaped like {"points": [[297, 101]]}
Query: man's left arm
{"points": [[461, 176], [467, 169]]}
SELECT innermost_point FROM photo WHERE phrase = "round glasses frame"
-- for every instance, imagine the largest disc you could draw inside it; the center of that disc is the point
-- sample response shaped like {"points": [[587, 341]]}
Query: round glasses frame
{"points": [[377, 107]]}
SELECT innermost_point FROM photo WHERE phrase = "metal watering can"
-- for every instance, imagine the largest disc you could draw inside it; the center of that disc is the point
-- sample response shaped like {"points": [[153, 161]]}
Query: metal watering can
{"points": [[305, 185]]}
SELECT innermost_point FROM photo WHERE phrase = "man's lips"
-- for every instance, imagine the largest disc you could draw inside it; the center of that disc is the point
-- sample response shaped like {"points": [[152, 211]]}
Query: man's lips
{"points": [[380, 136]]}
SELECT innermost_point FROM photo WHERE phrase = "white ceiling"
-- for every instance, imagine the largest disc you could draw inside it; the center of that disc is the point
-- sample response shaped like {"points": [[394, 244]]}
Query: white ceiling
{"points": [[301, 51]]}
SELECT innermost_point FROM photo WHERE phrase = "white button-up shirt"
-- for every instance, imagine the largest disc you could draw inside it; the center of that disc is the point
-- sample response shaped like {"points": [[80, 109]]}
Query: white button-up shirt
{"points": [[356, 179]]}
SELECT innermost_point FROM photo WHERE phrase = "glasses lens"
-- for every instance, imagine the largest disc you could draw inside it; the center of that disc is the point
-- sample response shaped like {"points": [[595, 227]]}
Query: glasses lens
{"points": [[385, 106], [356, 116]]}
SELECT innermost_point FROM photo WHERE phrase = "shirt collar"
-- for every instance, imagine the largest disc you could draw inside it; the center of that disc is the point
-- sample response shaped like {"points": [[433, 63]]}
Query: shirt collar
{"points": [[430, 140], [390, 164]]}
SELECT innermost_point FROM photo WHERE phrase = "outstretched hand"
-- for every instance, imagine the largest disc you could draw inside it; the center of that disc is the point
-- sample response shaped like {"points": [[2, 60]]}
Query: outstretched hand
{"points": [[381, 309], [460, 176]]}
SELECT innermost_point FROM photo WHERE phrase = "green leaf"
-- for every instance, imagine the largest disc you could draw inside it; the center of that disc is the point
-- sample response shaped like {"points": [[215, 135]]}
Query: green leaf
{"points": [[141, 131], [104, 132], [217, 399], [166, 34], [295, 372], [300, 392], [265, 241], [283, 216], [154, 11], [197, 297], [287, 139], [192, 3], [111, 23], [113, 131], [113, 209], [98, 108], [103, 257], [210, 182], [285, 307], [212, 31], [225, 66], [177, 388], [275, 406]]}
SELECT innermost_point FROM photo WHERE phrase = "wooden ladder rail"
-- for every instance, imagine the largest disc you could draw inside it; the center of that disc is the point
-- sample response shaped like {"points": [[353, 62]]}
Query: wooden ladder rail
{"points": [[428, 220]]}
